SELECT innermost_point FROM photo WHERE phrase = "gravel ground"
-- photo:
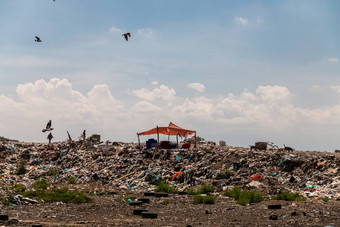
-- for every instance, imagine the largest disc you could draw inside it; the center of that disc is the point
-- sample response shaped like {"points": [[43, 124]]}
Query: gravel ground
{"points": [[175, 210]]}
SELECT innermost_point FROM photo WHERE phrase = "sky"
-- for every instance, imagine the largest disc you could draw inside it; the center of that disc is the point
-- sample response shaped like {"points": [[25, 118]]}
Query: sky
{"points": [[238, 71]]}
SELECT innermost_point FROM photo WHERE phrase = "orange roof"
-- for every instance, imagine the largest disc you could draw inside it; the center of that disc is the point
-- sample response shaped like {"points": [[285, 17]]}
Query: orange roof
{"points": [[171, 130]]}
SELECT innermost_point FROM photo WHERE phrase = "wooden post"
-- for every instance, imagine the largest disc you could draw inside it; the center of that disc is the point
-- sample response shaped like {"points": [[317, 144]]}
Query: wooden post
{"points": [[138, 141], [177, 141], [157, 137], [195, 140]]}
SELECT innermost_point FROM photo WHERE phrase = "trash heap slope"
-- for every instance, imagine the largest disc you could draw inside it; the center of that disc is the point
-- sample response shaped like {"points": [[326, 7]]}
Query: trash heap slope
{"points": [[122, 165]]}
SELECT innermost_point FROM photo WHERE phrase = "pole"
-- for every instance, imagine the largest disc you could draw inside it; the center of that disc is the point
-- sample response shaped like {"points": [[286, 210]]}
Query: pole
{"points": [[195, 140], [157, 137], [177, 141], [138, 141]]}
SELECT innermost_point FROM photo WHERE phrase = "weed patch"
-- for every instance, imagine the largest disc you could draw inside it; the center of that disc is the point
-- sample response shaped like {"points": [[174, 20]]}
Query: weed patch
{"points": [[52, 172], [129, 197], [289, 196], [208, 199], [72, 180], [40, 184], [244, 197], [58, 195], [19, 188], [191, 191], [164, 187], [226, 173], [21, 167], [205, 189]]}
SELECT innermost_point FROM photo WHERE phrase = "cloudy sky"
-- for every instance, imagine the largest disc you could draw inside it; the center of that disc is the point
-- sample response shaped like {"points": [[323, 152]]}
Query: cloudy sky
{"points": [[240, 71]]}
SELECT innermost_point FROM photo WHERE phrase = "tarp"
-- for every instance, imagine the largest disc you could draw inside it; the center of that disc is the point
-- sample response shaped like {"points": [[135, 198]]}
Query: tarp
{"points": [[172, 130], [176, 130]]}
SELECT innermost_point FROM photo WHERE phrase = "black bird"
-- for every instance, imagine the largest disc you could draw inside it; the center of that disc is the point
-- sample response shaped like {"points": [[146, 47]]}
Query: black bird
{"points": [[37, 39], [48, 127], [127, 36]]}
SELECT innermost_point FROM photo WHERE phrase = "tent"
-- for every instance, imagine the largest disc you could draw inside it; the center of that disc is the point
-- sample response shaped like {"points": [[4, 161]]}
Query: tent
{"points": [[171, 130]]}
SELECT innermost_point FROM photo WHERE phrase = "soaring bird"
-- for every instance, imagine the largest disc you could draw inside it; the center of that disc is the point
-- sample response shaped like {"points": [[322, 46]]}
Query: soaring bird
{"points": [[37, 39], [48, 127], [127, 36]]}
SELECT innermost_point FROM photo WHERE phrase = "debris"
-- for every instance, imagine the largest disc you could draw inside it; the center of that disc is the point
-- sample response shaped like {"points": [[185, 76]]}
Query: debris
{"points": [[149, 215], [274, 206], [135, 203], [144, 200], [139, 211]]}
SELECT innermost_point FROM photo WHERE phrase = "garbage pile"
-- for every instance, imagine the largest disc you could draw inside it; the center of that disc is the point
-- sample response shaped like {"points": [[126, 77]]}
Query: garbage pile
{"points": [[125, 166]]}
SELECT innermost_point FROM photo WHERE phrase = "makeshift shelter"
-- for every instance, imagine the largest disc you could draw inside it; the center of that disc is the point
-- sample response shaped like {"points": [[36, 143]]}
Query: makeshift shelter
{"points": [[171, 130]]}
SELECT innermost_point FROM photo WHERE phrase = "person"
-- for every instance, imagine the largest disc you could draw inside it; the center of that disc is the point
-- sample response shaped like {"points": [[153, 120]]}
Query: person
{"points": [[84, 135], [49, 137]]}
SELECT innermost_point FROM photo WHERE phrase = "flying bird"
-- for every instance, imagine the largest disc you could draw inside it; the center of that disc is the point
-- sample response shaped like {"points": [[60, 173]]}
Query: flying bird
{"points": [[127, 36], [37, 39], [48, 127]]}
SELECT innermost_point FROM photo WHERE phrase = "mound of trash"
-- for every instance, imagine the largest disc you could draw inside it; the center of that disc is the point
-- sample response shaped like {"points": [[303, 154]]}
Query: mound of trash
{"points": [[125, 166]]}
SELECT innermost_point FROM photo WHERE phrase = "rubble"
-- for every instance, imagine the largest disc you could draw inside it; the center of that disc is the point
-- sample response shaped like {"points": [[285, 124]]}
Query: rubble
{"points": [[124, 166]]}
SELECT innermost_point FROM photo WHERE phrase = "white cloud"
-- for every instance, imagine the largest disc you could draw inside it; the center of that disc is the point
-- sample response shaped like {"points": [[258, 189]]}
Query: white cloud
{"points": [[336, 88], [333, 59], [145, 31], [114, 29], [145, 107], [197, 86], [163, 92], [269, 110], [154, 83], [57, 100], [241, 20]]}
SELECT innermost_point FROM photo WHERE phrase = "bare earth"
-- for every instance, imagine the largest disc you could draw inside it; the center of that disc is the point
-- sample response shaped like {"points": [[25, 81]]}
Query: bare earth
{"points": [[175, 210]]}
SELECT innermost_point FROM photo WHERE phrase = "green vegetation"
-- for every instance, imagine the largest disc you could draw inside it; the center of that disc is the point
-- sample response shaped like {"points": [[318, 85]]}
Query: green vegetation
{"points": [[129, 197], [244, 197], [52, 172], [325, 199], [208, 199], [72, 180], [205, 188], [19, 188], [191, 191], [58, 195], [40, 184], [7, 197], [289, 196], [21, 167], [164, 187], [226, 173]]}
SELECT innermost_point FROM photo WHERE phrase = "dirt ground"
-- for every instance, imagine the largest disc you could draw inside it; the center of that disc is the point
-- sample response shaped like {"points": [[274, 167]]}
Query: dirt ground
{"points": [[175, 210]]}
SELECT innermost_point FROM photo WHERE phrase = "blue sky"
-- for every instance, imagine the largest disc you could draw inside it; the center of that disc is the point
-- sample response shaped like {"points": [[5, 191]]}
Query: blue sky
{"points": [[241, 71]]}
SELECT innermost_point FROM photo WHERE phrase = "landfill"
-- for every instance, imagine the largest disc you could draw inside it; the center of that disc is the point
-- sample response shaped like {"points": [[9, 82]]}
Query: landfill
{"points": [[124, 165], [129, 167]]}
